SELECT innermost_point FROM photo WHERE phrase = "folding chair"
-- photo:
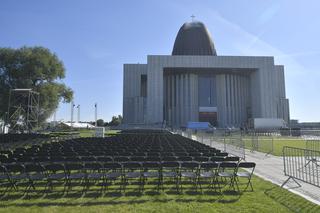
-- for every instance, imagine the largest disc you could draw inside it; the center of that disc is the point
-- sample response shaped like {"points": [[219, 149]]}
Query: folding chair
{"points": [[151, 170], [36, 173], [208, 171], [94, 172], [75, 172], [228, 170], [189, 170], [170, 170], [246, 174], [131, 171], [17, 175], [113, 172], [55, 173], [4, 179]]}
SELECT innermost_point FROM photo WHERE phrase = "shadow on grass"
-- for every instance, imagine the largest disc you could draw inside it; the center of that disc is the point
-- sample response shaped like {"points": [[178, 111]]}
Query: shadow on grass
{"points": [[114, 197], [291, 201]]}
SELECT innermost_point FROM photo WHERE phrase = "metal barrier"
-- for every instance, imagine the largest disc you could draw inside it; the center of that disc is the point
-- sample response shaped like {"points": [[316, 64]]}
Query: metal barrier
{"points": [[260, 144], [232, 144], [301, 164], [235, 146], [313, 144]]}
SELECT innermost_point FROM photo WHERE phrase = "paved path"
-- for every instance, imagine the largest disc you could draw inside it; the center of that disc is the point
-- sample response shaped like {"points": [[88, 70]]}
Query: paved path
{"points": [[270, 168]]}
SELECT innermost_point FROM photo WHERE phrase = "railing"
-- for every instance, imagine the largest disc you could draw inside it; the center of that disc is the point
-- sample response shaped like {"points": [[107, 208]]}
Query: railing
{"points": [[260, 144], [235, 146], [231, 143], [301, 164]]}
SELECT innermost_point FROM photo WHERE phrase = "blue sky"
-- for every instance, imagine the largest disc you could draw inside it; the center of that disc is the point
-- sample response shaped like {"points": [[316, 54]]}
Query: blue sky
{"points": [[95, 38]]}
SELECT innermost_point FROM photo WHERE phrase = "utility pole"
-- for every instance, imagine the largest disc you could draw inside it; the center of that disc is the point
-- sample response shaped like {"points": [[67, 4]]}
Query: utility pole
{"points": [[95, 113], [72, 107], [78, 107]]}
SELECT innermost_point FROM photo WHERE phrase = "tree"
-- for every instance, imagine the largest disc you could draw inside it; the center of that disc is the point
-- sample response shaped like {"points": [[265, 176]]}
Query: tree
{"points": [[35, 68], [100, 122], [116, 120]]}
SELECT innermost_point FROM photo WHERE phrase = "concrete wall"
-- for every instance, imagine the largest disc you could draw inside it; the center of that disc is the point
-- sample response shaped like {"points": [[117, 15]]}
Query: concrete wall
{"points": [[134, 106]]}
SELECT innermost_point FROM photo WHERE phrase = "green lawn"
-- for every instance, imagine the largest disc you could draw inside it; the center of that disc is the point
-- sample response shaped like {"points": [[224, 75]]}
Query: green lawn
{"points": [[265, 198], [90, 132], [278, 143]]}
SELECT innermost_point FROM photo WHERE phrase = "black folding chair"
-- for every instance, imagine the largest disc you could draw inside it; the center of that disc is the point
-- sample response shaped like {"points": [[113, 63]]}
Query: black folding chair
{"points": [[113, 172], [151, 170], [4, 179], [170, 170], [36, 173], [94, 173], [17, 175], [228, 170], [246, 174], [132, 171], [189, 171], [55, 173], [208, 171]]}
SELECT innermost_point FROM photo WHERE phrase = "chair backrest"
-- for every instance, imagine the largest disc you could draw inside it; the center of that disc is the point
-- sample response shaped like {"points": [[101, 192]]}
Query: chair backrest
{"points": [[209, 165], [247, 165], [221, 154], [88, 158], [152, 159], [131, 166], [55, 167], [93, 166], [15, 168], [217, 159], [233, 159], [137, 158], [104, 159], [170, 164], [34, 168], [189, 165], [201, 159], [169, 158], [3, 170], [228, 165], [185, 158], [112, 166], [151, 165], [121, 159]]}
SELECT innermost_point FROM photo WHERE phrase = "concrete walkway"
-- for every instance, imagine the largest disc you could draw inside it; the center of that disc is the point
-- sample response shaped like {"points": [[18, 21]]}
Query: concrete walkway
{"points": [[270, 168]]}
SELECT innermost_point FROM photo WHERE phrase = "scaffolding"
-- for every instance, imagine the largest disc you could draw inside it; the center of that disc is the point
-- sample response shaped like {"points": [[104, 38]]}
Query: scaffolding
{"points": [[23, 110]]}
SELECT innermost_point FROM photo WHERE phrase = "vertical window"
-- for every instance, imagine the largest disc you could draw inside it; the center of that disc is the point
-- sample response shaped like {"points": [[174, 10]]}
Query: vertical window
{"points": [[143, 86]]}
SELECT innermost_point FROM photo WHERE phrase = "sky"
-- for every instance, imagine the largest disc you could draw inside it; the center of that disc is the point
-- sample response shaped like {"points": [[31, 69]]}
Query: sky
{"points": [[94, 38]]}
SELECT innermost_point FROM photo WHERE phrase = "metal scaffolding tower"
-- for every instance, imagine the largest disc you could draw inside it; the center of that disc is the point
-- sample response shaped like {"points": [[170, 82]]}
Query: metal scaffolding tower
{"points": [[23, 110]]}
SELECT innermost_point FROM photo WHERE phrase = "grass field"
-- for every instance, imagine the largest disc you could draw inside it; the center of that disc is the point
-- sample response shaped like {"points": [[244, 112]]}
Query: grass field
{"points": [[90, 132], [265, 198], [278, 144]]}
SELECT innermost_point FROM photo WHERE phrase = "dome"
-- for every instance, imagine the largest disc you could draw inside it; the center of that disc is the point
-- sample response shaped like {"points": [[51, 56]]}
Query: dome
{"points": [[193, 39]]}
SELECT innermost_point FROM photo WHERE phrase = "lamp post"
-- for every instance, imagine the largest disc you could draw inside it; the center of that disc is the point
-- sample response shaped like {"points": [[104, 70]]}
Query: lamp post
{"points": [[72, 107], [78, 107], [95, 113]]}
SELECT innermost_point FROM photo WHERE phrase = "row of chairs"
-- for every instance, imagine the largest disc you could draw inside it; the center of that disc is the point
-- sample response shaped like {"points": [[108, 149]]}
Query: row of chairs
{"points": [[59, 158], [13, 175], [12, 137]]}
